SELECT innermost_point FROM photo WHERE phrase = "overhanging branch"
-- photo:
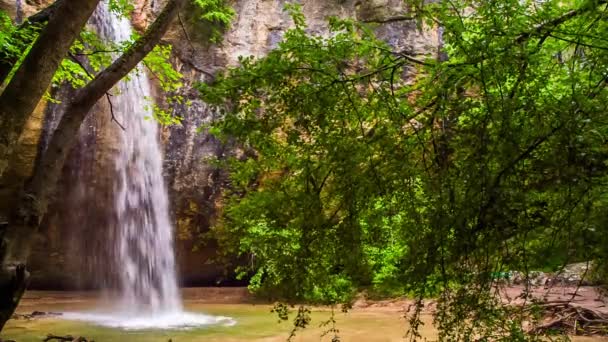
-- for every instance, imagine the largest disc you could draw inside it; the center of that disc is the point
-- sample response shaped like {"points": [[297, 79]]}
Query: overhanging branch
{"points": [[551, 24]]}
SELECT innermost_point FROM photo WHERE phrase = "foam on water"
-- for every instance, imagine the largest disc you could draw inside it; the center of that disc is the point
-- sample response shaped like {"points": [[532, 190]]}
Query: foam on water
{"points": [[161, 321]]}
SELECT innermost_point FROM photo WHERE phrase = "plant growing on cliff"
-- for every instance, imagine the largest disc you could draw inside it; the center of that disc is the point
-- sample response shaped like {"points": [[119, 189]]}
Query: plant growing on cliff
{"points": [[365, 166]]}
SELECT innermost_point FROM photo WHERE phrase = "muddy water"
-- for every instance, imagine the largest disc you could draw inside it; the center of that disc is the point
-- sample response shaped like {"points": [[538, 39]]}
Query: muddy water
{"points": [[255, 322]]}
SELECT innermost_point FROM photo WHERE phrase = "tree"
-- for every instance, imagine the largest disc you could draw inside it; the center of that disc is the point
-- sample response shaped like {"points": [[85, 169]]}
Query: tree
{"points": [[487, 161], [32, 78], [26, 197]]}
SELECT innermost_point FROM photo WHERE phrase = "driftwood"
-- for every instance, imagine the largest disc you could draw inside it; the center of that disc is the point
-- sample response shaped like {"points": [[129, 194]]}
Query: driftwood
{"points": [[566, 317], [68, 338]]}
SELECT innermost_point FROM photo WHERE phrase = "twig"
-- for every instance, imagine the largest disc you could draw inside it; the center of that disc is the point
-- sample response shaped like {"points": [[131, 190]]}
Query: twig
{"points": [[112, 112], [192, 50], [181, 23], [94, 52], [571, 318]]}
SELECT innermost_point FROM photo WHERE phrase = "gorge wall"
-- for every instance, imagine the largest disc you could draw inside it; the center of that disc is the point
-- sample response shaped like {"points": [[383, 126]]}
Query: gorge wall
{"points": [[73, 231]]}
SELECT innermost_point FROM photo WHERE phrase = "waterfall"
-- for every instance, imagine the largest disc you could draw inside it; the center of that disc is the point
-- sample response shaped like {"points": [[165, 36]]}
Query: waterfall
{"points": [[143, 253], [144, 248], [144, 236]]}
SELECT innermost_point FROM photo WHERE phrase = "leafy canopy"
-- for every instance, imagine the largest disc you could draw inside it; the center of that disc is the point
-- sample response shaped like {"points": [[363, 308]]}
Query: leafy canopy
{"points": [[362, 166]]}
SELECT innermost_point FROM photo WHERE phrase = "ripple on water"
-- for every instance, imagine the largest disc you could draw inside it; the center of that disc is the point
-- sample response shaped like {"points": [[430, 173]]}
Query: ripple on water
{"points": [[165, 321]]}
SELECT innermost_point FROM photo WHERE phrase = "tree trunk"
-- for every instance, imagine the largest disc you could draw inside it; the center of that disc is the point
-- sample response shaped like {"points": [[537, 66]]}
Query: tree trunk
{"points": [[31, 200], [34, 75]]}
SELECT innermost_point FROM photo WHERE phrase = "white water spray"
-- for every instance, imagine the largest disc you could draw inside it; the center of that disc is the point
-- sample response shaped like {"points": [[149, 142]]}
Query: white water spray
{"points": [[144, 254]]}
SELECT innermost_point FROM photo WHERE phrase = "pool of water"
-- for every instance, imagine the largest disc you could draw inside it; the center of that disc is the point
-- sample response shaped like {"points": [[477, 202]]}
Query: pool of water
{"points": [[228, 318]]}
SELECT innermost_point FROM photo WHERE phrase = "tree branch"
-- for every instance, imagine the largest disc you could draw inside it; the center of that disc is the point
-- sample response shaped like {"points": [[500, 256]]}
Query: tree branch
{"points": [[551, 24], [83, 67], [43, 15], [48, 170], [105, 80], [391, 19]]}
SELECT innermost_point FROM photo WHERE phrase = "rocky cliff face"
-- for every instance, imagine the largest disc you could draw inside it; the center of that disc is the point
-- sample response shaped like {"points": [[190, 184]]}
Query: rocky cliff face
{"points": [[75, 225]]}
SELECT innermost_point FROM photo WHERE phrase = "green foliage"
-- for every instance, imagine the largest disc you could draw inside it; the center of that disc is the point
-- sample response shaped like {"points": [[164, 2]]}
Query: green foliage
{"points": [[216, 13], [158, 62], [162, 115], [366, 167], [90, 54], [308, 143], [121, 7], [14, 43]]}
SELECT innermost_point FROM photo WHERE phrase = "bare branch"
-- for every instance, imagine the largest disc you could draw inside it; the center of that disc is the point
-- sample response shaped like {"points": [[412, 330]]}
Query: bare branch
{"points": [[112, 112], [392, 19], [94, 52], [181, 23]]}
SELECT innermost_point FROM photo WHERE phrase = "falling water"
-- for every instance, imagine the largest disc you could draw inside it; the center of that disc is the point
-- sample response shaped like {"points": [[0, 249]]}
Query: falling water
{"points": [[149, 296], [145, 236]]}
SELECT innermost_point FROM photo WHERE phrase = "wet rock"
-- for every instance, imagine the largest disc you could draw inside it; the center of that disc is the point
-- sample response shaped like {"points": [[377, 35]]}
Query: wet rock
{"points": [[575, 274], [570, 275]]}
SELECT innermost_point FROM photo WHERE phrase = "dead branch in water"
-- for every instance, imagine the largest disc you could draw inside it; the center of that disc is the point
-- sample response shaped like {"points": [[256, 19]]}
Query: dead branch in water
{"points": [[68, 338], [563, 316]]}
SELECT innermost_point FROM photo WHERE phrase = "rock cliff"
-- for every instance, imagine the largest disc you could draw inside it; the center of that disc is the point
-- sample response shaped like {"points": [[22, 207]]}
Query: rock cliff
{"points": [[74, 228]]}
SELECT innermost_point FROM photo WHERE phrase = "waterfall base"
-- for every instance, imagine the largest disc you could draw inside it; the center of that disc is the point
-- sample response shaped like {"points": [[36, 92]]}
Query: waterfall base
{"points": [[162, 321]]}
